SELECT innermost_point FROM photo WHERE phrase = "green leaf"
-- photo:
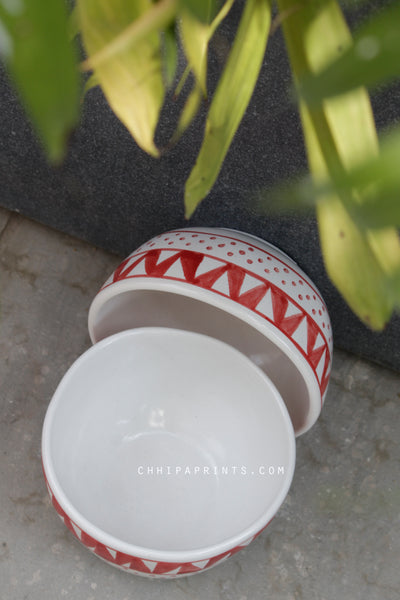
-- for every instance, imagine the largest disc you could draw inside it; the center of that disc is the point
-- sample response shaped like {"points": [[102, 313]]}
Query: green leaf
{"points": [[188, 113], [195, 38], [170, 55], [230, 100], [146, 22], [73, 23], [363, 264], [182, 81], [371, 60], [378, 182], [42, 64], [123, 43], [202, 10]]}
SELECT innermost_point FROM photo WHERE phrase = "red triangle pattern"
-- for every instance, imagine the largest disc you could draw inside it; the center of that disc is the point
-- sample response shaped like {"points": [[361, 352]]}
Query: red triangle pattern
{"points": [[208, 279], [253, 297], [134, 563], [315, 356], [280, 303], [190, 262], [235, 280]]}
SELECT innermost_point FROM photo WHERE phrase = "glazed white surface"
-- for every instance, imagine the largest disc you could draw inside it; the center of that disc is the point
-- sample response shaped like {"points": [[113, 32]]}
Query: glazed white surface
{"points": [[155, 398]]}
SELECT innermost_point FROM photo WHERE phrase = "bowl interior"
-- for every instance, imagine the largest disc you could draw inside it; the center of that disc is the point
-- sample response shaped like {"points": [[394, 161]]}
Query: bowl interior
{"points": [[167, 441], [142, 308]]}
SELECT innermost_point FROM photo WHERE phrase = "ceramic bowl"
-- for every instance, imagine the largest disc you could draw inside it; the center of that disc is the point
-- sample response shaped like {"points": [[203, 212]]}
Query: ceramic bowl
{"points": [[236, 288], [187, 443]]}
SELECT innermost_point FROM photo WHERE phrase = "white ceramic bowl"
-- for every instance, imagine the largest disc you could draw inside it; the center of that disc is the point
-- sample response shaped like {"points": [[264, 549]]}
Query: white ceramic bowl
{"points": [[236, 288], [165, 451]]}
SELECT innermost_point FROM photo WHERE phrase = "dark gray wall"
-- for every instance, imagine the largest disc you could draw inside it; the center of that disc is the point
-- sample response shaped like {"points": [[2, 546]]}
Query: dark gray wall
{"points": [[113, 195]]}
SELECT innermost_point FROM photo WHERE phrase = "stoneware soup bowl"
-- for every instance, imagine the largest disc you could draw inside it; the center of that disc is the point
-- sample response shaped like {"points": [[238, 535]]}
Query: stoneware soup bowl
{"points": [[233, 287], [166, 451]]}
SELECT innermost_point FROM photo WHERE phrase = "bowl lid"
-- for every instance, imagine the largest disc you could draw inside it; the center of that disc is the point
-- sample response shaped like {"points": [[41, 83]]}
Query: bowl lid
{"points": [[248, 282]]}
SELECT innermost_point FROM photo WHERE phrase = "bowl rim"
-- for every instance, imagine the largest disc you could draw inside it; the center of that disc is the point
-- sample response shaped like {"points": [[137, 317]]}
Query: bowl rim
{"points": [[269, 330], [108, 540]]}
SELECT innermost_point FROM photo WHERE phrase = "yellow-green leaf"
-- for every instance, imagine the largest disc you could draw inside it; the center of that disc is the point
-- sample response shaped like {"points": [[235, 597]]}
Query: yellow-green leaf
{"points": [[129, 70], [340, 134], [352, 265], [231, 99], [377, 181], [195, 38], [372, 60], [90, 83], [203, 10], [196, 35], [156, 18]]}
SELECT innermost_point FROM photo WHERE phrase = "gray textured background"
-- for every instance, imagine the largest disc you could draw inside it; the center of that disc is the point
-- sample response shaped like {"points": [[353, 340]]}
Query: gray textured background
{"points": [[111, 194]]}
